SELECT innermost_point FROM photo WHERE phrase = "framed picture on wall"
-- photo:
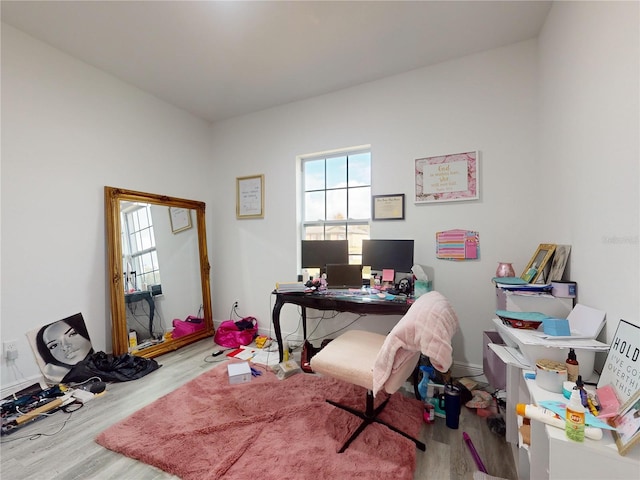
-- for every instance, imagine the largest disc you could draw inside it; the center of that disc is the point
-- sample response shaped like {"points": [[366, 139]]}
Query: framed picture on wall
{"points": [[447, 178], [180, 219], [250, 197], [387, 207]]}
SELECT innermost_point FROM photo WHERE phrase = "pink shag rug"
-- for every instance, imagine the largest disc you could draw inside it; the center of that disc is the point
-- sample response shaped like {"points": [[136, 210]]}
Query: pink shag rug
{"points": [[267, 429]]}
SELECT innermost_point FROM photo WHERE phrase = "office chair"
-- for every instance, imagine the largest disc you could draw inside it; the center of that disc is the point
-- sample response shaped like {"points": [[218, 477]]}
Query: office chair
{"points": [[377, 362]]}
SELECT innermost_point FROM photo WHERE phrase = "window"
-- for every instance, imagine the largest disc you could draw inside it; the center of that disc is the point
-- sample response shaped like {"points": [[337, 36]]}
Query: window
{"points": [[140, 260], [336, 198]]}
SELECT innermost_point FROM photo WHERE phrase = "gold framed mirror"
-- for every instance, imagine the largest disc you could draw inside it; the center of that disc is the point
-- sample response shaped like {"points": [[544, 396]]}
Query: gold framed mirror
{"points": [[158, 271]]}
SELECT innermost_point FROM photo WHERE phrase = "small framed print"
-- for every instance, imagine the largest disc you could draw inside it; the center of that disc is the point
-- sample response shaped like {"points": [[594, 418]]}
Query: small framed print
{"points": [[387, 207], [250, 197], [180, 219], [627, 423]]}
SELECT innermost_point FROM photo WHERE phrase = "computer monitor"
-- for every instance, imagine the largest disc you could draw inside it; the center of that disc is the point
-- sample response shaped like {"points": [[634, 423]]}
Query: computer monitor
{"points": [[319, 253], [393, 254], [344, 275]]}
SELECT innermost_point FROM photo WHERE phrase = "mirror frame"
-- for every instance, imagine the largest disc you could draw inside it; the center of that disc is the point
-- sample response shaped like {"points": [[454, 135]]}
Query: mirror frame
{"points": [[119, 333]]}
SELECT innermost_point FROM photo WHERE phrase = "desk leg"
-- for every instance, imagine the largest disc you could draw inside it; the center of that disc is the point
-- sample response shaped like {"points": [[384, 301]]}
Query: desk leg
{"points": [[276, 325], [304, 322]]}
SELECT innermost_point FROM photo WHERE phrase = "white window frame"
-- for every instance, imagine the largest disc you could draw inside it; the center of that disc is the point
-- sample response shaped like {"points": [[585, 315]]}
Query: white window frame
{"points": [[354, 256]]}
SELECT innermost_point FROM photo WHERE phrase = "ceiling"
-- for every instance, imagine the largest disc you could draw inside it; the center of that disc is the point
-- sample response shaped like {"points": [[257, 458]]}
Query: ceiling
{"points": [[221, 59]]}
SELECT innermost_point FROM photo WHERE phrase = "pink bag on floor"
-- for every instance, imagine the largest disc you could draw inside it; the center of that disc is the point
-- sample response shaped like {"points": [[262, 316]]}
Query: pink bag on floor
{"points": [[186, 327], [232, 334]]}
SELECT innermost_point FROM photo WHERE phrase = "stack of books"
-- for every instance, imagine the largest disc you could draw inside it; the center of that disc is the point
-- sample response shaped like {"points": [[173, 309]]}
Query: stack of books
{"points": [[290, 287]]}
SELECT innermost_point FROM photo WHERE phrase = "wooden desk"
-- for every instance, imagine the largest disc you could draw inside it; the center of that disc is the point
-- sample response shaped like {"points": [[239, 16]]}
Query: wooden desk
{"points": [[335, 302]]}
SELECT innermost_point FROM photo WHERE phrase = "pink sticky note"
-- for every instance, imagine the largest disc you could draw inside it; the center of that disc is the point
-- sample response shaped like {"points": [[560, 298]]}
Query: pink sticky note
{"points": [[470, 249], [388, 275]]}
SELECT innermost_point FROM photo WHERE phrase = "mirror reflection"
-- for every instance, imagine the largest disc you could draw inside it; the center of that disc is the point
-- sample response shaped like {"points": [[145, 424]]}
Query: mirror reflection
{"points": [[159, 272], [152, 243]]}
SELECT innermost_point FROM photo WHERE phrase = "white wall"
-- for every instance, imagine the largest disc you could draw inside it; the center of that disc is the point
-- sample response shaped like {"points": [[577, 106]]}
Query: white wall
{"points": [[485, 102], [557, 128], [68, 130], [560, 117], [589, 149]]}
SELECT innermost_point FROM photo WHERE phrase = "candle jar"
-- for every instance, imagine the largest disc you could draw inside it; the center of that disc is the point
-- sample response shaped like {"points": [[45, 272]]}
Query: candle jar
{"points": [[505, 270]]}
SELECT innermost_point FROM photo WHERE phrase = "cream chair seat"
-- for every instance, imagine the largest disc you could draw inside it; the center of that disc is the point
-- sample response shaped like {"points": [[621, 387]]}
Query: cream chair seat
{"points": [[378, 362]]}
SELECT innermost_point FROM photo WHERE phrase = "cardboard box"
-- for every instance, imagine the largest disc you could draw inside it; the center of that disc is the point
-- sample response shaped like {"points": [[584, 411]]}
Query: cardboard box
{"points": [[239, 373]]}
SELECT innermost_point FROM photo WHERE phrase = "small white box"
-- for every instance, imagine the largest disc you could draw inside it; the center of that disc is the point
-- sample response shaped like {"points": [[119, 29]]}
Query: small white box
{"points": [[239, 373]]}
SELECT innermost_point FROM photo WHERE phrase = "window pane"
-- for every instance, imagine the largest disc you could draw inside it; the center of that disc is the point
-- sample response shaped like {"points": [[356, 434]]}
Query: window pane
{"points": [[360, 169], [137, 242], [336, 172], [313, 175], [314, 206], [314, 232], [145, 235], [337, 204], [143, 219], [360, 202], [336, 232]]}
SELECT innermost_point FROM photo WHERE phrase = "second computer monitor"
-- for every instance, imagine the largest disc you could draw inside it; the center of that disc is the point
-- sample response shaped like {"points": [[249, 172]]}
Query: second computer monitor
{"points": [[319, 253], [388, 254]]}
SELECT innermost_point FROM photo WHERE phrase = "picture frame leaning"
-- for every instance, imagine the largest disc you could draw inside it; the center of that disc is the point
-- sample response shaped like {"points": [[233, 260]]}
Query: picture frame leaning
{"points": [[538, 263], [627, 423]]}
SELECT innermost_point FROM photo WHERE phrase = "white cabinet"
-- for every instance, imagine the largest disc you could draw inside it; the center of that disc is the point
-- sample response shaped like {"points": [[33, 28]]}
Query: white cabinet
{"points": [[551, 454]]}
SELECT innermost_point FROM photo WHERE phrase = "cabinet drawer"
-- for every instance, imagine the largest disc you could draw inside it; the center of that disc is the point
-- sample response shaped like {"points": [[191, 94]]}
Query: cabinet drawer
{"points": [[494, 369]]}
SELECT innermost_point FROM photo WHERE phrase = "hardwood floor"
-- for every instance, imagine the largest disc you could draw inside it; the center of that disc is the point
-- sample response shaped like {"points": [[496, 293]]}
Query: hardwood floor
{"points": [[61, 447]]}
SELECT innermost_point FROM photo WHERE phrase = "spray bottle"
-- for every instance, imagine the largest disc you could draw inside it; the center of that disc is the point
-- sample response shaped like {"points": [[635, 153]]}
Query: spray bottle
{"points": [[423, 386], [574, 426]]}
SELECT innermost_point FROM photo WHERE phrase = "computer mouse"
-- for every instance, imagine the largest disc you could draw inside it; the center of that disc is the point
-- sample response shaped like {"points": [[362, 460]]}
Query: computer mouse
{"points": [[96, 387]]}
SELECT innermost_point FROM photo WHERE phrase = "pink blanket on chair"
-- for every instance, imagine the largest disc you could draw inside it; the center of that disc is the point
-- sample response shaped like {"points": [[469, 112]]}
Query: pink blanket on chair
{"points": [[427, 327]]}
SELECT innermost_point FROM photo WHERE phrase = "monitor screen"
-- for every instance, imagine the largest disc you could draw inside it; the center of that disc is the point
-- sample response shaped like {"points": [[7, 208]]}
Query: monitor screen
{"points": [[393, 254], [318, 253], [344, 275]]}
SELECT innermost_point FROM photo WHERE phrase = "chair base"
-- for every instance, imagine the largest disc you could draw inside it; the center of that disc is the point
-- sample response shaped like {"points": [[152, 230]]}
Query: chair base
{"points": [[369, 416]]}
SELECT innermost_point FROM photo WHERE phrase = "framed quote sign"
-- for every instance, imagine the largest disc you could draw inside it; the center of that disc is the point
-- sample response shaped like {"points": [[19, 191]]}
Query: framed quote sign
{"points": [[622, 367], [250, 197], [447, 178]]}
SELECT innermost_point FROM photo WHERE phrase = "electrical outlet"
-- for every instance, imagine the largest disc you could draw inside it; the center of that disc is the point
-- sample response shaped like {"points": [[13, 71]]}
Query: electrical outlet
{"points": [[10, 349]]}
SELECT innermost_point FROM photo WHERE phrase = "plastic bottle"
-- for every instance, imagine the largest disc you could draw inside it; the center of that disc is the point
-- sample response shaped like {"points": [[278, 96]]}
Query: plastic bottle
{"points": [[424, 383], [574, 426], [547, 416], [583, 392], [573, 368]]}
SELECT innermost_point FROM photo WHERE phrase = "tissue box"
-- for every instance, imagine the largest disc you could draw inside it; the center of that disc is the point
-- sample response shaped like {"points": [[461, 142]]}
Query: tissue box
{"points": [[420, 287], [239, 373], [557, 327]]}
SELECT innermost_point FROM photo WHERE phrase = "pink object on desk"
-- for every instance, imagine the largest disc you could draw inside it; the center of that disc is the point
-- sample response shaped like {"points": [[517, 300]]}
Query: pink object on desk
{"points": [[609, 403], [388, 275]]}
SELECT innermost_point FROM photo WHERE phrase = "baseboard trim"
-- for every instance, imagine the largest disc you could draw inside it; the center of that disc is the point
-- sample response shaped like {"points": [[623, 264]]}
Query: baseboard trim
{"points": [[16, 386], [459, 369]]}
